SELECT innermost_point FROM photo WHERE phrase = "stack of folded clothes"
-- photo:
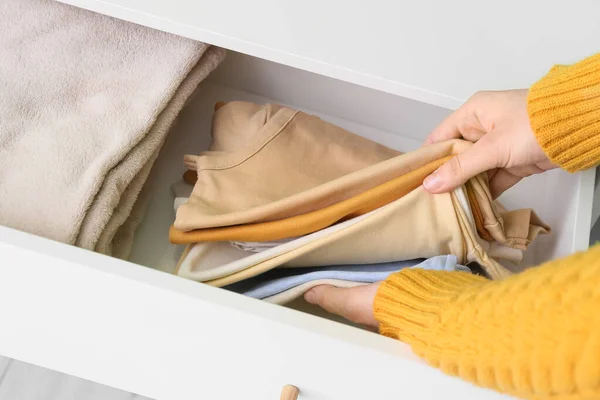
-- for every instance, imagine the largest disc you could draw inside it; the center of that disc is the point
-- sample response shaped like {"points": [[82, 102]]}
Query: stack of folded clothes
{"points": [[283, 189], [282, 285], [87, 101]]}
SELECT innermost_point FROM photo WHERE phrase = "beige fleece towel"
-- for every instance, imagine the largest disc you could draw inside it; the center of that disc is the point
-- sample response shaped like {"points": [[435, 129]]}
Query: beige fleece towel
{"points": [[86, 103], [143, 155]]}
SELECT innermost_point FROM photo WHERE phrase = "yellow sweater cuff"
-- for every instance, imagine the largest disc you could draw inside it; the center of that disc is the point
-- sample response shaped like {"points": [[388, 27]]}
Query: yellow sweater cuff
{"points": [[564, 110], [409, 303]]}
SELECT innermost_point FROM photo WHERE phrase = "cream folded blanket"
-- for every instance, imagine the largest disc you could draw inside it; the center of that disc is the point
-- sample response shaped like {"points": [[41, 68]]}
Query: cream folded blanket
{"points": [[87, 101]]}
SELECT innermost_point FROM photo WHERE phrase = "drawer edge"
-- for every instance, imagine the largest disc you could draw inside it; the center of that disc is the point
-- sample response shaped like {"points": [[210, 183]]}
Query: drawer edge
{"points": [[270, 54]]}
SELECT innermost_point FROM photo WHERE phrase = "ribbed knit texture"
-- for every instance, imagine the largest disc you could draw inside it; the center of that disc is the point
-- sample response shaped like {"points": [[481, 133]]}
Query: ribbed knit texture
{"points": [[564, 109], [535, 335]]}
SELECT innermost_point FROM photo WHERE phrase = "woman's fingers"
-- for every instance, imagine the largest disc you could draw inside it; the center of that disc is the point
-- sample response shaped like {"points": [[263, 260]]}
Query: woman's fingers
{"points": [[479, 158], [354, 304]]}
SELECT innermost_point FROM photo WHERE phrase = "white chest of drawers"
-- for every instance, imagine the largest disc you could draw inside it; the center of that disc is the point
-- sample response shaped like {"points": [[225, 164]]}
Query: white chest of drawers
{"points": [[396, 69]]}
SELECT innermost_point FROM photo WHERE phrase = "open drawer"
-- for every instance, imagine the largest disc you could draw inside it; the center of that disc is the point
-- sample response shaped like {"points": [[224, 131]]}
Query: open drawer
{"points": [[127, 325]]}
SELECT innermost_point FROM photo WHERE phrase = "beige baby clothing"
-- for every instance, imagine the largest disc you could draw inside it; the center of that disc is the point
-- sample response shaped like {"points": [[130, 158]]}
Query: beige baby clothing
{"points": [[245, 180], [391, 234], [252, 172], [315, 220], [269, 163], [444, 227], [206, 261]]}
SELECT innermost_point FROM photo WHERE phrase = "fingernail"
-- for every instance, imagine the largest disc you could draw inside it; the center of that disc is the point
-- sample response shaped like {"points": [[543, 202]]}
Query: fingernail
{"points": [[433, 181], [310, 296]]}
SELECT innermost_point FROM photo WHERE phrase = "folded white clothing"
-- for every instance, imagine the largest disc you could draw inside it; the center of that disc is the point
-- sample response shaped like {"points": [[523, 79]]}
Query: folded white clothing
{"points": [[87, 101], [257, 247]]}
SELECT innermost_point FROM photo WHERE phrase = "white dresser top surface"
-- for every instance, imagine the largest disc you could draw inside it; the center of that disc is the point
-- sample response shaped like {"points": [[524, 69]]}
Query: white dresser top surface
{"points": [[437, 52]]}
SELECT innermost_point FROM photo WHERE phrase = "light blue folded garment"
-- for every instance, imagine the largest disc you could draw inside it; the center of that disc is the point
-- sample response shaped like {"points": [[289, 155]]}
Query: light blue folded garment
{"points": [[281, 279]]}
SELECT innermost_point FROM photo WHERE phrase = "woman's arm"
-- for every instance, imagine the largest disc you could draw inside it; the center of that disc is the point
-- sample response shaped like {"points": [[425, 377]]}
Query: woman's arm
{"points": [[535, 335]]}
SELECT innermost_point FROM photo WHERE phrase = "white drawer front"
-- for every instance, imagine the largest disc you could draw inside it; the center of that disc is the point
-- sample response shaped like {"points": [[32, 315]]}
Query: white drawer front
{"points": [[154, 334]]}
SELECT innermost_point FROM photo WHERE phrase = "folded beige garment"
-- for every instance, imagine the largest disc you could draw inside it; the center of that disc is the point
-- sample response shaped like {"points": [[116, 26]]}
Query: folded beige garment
{"points": [[87, 101], [315, 220], [226, 186], [269, 162], [417, 225], [206, 261], [248, 180], [515, 228]]}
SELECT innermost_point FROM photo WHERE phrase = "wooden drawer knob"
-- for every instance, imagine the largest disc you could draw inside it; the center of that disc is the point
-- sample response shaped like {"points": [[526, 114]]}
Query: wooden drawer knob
{"points": [[289, 392]]}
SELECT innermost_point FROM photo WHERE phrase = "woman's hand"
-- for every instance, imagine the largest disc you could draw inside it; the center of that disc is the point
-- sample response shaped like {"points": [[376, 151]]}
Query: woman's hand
{"points": [[505, 145], [354, 304]]}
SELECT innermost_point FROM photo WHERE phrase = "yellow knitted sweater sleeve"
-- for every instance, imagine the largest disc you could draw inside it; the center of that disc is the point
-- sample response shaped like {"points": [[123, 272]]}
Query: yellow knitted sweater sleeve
{"points": [[535, 335], [564, 110]]}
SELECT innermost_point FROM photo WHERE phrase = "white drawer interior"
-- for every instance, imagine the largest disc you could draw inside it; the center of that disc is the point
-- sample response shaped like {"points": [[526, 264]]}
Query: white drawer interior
{"points": [[562, 200], [110, 321]]}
